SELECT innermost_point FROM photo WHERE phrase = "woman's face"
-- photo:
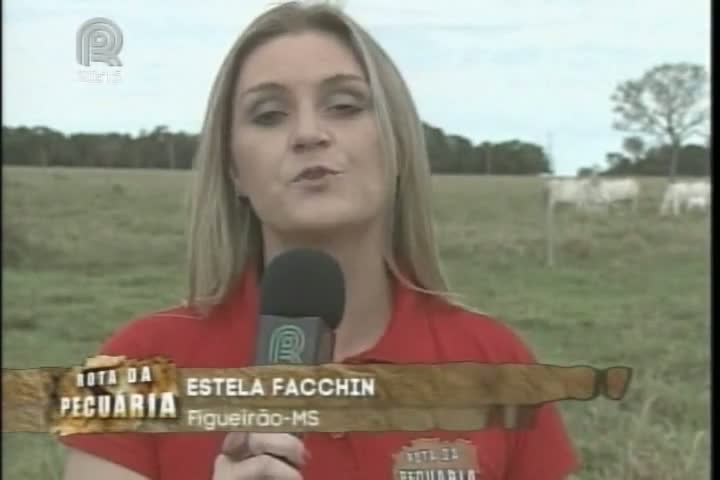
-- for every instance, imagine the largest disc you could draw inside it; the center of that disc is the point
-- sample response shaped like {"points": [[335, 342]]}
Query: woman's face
{"points": [[304, 141]]}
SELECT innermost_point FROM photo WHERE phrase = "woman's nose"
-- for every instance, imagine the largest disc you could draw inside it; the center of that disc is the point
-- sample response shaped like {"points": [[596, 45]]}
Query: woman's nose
{"points": [[310, 133]]}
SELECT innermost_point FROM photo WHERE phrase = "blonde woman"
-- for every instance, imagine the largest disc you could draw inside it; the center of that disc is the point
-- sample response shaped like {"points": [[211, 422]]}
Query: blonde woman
{"points": [[312, 139]]}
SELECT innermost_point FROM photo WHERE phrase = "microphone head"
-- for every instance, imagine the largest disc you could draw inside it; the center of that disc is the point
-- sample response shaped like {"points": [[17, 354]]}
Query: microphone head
{"points": [[303, 282]]}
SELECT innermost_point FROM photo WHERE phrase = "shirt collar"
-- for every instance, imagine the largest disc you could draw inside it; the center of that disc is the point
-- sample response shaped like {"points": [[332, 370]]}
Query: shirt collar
{"points": [[405, 339]]}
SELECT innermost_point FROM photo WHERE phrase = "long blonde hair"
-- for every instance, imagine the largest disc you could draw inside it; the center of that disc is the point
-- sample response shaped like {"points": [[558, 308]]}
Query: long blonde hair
{"points": [[225, 236]]}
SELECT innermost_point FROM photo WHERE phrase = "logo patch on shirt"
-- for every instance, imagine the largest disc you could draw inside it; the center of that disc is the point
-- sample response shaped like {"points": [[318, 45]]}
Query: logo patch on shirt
{"points": [[435, 459]]}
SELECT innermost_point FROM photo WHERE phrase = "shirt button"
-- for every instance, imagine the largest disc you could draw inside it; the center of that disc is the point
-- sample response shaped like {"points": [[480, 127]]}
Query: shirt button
{"points": [[337, 435]]}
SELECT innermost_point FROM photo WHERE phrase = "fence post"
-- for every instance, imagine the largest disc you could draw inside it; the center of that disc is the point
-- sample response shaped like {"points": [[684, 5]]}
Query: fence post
{"points": [[549, 233]]}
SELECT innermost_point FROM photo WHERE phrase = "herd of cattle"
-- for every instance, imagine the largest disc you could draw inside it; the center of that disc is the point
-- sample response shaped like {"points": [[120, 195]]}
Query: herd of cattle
{"points": [[594, 193]]}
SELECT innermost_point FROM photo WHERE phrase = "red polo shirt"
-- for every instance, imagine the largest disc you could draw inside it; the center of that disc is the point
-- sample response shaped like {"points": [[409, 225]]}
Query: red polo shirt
{"points": [[423, 329]]}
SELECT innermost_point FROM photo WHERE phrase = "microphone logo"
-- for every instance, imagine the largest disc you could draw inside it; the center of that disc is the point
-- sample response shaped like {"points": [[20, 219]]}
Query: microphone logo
{"points": [[99, 40], [287, 344]]}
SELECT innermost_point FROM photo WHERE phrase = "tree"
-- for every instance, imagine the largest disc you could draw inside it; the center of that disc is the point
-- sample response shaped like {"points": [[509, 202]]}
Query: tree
{"points": [[461, 150], [487, 149], [618, 164], [635, 146], [669, 102]]}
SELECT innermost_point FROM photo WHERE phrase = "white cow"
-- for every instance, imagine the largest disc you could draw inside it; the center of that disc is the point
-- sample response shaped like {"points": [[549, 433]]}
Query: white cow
{"points": [[620, 190], [582, 193], [685, 196], [697, 203], [699, 194]]}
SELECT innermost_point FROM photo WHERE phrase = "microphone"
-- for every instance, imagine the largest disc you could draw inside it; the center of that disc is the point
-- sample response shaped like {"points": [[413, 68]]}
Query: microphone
{"points": [[302, 300]]}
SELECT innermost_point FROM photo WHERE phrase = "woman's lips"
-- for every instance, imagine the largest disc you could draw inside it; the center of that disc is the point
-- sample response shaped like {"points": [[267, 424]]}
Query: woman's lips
{"points": [[314, 173]]}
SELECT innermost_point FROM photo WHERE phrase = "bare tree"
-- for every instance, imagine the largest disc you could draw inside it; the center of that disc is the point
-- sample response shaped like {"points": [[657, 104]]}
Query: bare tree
{"points": [[669, 102]]}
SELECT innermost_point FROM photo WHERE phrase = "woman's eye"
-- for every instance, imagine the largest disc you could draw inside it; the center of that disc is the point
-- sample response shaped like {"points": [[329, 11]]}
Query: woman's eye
{"points": [[269, 118], [345, 108]]}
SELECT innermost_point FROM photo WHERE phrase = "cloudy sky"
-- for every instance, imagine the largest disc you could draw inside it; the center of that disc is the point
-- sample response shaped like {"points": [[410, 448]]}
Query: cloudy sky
{"points": [[537, 70]]}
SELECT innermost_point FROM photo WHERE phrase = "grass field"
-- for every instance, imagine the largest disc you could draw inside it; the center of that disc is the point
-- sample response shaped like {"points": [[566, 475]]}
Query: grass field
{"points": [[86, 250]]}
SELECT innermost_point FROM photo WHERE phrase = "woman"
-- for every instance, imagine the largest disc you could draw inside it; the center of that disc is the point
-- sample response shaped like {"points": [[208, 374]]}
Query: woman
{"points": [[312, 139]]}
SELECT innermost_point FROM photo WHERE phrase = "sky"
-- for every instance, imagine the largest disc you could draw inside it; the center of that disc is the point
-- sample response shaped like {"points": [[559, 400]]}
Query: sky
{"points": [[540, 71]]}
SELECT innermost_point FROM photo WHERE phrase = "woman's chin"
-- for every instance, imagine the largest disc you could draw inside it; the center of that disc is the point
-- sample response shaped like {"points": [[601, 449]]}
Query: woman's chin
{"points": [[327, 221], [319, 224], [322, 216]]}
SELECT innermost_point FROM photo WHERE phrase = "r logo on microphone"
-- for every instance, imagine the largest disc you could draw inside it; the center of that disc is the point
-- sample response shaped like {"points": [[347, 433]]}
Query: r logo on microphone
{"points": [[287, 344]]}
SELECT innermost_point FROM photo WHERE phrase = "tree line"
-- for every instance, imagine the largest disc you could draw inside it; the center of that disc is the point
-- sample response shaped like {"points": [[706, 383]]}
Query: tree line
{"points": [[666, 106], [160, 148], [692, 160]]}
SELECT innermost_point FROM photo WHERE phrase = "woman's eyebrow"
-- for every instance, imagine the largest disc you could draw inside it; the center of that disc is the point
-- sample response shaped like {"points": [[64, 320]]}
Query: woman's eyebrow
{"points": [[262, 87], [327, 82], [341, 78]]}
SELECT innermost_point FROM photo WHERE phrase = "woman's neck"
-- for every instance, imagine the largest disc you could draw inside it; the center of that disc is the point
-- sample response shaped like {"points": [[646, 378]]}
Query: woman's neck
{"points": [[368, 289]]}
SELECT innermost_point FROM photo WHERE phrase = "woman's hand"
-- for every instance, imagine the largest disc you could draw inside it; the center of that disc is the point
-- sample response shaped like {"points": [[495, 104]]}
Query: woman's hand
{"points": [[255, 456]]}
